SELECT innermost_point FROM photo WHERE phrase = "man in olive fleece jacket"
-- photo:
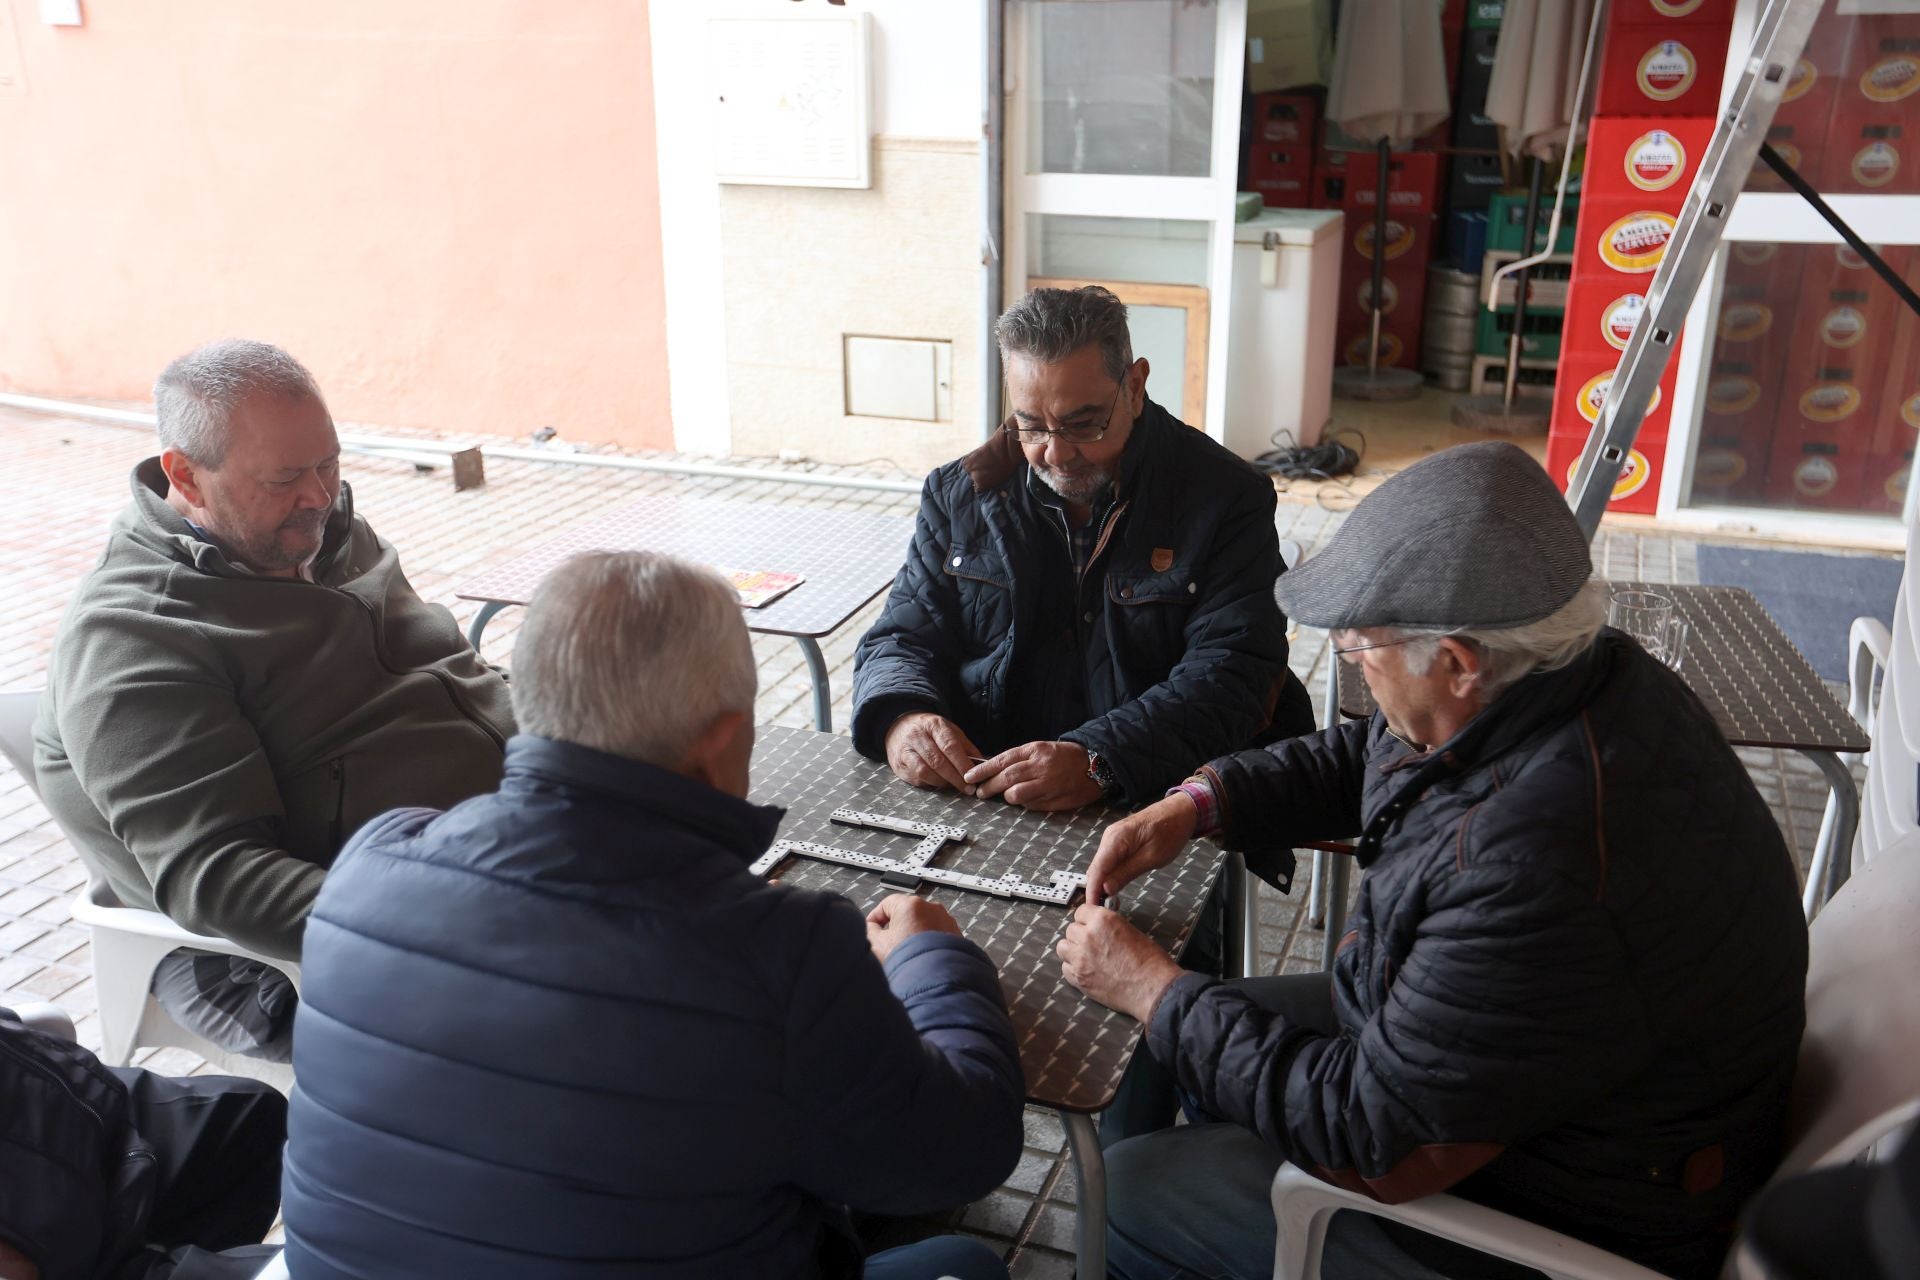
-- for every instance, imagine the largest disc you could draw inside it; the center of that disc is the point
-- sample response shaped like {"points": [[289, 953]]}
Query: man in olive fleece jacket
{"points": [[246, 678]]}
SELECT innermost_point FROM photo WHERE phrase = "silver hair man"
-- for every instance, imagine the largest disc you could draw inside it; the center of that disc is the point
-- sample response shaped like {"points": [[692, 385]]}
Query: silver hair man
{"points": [[1509, 654], [632, 653], [1049, 325], [194, 397]]}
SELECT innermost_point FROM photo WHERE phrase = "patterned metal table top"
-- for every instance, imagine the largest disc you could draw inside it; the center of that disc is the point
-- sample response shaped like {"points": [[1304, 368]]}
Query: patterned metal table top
{"points": [[1761, 690], [847, 557], [1074, 1051]]}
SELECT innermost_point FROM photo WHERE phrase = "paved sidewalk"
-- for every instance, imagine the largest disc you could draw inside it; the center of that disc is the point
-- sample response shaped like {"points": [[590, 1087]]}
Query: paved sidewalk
{"points": [[68, 479]]}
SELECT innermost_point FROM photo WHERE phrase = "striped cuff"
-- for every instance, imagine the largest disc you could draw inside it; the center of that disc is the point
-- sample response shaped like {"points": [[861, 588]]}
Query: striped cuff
{"points": [[1200, 791]]}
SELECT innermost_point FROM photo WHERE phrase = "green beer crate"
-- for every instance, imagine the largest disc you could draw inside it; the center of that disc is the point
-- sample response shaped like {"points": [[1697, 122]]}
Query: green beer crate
{"points": [[1483, 14], [1507, 223], [1540, 340]]}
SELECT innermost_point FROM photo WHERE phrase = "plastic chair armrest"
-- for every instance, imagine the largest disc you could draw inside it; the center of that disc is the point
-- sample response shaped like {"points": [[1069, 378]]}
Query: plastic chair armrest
{"points": [[1303, 1205], [1868, 647]]}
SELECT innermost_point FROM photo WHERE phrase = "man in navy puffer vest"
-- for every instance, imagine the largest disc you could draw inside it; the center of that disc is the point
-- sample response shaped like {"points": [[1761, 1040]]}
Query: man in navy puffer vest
{"points": [[562, 1031]]}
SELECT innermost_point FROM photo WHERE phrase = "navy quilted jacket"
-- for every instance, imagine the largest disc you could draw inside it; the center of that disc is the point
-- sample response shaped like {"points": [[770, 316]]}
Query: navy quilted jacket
{"points": [[1168, 652], [1574, 983], [562, 1031]]}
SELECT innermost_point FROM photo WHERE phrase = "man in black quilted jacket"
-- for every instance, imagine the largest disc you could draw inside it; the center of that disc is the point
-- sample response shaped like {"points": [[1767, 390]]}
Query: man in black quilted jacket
{"points": [[1573, 986], [1087, 609]]}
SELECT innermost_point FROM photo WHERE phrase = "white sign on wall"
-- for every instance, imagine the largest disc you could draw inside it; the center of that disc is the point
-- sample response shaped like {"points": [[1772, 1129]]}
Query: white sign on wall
{"points": [[792, 95]]}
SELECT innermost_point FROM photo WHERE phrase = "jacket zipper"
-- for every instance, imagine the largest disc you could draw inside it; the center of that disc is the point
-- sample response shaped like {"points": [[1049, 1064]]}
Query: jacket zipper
{"points": [[446, 681], [339, 771]]}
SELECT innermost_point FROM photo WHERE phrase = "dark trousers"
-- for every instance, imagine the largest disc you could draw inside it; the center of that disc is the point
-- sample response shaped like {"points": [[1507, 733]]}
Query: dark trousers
{"points": [[216, 1143], [1195, 1201]]}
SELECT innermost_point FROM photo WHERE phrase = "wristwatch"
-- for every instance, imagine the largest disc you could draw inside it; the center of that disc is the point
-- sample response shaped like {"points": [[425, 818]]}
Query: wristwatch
{"points": [[1102, 772]]}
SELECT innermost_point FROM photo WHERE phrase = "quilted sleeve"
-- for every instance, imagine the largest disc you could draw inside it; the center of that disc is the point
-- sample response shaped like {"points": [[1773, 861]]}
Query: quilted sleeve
{"points": [[906, 661]]}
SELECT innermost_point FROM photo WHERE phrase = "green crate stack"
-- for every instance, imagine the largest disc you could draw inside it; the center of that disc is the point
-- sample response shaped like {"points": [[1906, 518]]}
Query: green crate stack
{"points": [[1539, 340], [1484, 14], [1507, 224]]}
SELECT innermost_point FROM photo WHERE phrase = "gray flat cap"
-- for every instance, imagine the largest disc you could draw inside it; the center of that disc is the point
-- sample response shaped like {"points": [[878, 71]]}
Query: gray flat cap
{"points": [[1474, 536]]}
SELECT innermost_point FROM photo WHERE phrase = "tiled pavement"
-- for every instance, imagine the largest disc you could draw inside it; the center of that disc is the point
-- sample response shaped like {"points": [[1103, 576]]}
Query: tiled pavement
{"points": [[69, 478]]}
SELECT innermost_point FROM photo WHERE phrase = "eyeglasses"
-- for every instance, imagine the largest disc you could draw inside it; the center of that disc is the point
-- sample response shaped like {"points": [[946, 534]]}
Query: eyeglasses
{"points": [[1084, 434], [1340, 652]]}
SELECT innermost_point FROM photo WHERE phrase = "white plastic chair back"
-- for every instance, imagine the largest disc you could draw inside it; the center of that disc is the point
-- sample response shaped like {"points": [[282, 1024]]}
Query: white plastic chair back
{"points": [[128, 943], [1890, 803]]}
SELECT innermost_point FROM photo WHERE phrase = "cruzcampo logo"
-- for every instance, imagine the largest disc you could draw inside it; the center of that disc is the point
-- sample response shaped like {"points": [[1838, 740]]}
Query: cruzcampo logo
{"points": [[1621, 317], [1667, 71], [1390, 349], [1829, 401], [1655, 160], [1636, 243], [1735, 394], [1593, 397], [1633, 475], [1745, 321], [1875, 164], [1389, 296], [1399, 239], [1891, 78]]}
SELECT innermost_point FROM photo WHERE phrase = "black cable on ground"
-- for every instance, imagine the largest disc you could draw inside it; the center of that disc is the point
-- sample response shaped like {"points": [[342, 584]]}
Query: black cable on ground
{"points": [[1328, 460]]}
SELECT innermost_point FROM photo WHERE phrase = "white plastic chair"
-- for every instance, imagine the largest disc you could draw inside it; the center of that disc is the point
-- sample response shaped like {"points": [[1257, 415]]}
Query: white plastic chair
{"points": [[129, 943], [1890, 803], [1855, 1087]]}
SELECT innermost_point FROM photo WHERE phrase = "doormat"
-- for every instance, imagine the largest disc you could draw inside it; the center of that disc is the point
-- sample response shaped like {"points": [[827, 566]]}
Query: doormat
{"points": [[1813, 597]]}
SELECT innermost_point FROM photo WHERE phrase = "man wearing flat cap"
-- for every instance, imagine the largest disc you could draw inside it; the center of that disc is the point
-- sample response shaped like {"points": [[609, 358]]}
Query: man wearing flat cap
{"points": [[1572, 988]]}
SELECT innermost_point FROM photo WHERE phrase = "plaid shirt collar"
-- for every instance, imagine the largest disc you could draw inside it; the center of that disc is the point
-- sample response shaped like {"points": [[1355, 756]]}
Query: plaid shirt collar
{"points": [[1081, 541]]}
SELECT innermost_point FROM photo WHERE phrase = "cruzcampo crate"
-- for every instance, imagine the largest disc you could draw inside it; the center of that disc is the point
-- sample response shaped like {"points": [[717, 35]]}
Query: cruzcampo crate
{"points": [[1540, 338], [1507, 223]]}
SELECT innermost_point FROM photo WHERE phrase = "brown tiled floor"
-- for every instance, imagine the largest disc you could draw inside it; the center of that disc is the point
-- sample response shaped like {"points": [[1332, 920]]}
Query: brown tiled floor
{"points": [[69, 478]]}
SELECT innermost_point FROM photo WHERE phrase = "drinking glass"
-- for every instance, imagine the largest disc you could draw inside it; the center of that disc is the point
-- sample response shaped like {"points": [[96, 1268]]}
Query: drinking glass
{"points": [[1651, 619]]}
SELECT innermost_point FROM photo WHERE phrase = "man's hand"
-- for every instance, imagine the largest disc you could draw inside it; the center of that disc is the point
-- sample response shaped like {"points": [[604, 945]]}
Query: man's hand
{"points": [[1115, 963], [1042, 776], [899, 916], [1139, 843], [930, 750]]}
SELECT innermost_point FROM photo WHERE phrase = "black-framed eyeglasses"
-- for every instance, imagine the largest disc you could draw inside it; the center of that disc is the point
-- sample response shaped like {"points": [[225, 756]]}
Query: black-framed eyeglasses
{"points": [[1086, 433]]}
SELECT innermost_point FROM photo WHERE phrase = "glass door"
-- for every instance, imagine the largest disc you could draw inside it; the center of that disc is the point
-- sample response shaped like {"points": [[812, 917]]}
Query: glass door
{"points": [[1801, 364], [1122, 133]]}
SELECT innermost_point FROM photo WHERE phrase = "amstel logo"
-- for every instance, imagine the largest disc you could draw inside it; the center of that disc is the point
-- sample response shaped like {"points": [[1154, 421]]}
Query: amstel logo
{"points": [[1636, 243], [1676, 8], [1875, 165], [1745, 322], [1736, 394], [1754, 253], [1815, 476], [1655, 160], [1805, 74], [1897, 486], [1910, 411], [1593, 396], [1667, 71], [1718, 468], [1829, 401], [1891, 78], [1619, 320], [1843, 327], [1633, 475]]}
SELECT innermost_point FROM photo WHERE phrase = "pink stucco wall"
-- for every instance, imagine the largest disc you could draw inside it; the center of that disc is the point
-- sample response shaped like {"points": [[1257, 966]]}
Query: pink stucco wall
{"points": [[448, 209]]}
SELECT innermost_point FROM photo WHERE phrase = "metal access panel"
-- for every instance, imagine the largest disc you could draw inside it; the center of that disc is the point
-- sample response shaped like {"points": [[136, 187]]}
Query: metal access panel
{"points": [[934, 837]]}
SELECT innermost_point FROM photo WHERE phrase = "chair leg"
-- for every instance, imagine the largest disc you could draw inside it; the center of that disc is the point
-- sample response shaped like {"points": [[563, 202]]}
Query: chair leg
{"points": [[123, 965]]}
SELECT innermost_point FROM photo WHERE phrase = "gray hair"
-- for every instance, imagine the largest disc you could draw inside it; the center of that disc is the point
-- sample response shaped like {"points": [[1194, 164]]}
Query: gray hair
{"points": [[1049, 325], [632, 653], [1512, 653], [193, 398]]}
